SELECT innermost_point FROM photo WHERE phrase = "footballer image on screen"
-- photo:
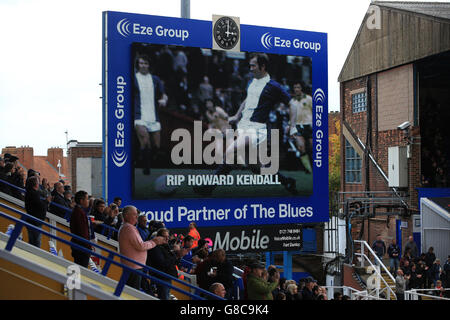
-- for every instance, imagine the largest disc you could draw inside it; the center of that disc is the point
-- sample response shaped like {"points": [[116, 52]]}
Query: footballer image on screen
{"points": [[220, 124]]}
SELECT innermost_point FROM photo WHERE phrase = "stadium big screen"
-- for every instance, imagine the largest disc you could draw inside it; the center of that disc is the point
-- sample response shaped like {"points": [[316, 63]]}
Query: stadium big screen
{"points": [[234, 139]]}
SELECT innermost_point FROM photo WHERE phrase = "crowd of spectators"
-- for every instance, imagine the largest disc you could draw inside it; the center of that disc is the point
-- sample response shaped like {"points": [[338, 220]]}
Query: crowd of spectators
{"points": [[435, 146], [413, 270], [171, 253]]}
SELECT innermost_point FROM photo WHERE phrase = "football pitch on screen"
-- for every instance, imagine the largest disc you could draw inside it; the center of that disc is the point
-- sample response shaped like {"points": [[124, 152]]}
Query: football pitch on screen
{"points": [[149, 187]]}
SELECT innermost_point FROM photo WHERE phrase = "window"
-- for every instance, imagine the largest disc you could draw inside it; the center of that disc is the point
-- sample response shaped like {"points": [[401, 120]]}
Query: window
{"points": [[359, 102], [353, 164]]}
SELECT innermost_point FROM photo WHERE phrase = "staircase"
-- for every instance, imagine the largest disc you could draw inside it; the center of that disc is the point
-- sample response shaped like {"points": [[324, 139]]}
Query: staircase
{"points": [[389, 282]]}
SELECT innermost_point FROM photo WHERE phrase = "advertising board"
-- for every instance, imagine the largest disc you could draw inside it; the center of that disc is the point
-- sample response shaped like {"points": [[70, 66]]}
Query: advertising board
{"points": [[217, 137]]}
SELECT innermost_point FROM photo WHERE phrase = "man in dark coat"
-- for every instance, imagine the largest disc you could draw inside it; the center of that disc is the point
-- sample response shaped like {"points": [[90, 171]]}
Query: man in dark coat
{"points": [[36, 208], [307, 292], [80, 226], [163, 259], [224, 271], [58, 198]]}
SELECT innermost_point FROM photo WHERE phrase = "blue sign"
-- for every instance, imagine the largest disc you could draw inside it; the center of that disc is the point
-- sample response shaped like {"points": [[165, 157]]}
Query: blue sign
{"points": [[168, 108]]}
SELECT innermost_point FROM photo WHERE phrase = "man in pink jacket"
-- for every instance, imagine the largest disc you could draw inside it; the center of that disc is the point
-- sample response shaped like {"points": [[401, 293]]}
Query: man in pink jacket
{"points": [[132, 246]]}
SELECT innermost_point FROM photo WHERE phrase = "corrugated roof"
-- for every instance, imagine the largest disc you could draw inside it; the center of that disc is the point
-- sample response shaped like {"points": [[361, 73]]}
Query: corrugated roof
{"points": [[433, 9], [409, 31]]}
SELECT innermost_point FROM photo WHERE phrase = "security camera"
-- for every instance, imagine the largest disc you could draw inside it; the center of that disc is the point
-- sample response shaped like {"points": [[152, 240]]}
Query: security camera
{"points": [[405, 125]]}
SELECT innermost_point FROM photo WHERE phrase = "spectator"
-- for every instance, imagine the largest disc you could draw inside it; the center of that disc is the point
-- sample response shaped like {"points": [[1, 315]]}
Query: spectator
{"points": [[323, 295], [435, 271], [301, 285], [142, 227], [337, 296], [201, 244], [420, 275], [380, 249], [98, 211], [203, 272], [186, 260], [218, 289], [3, 186], [440, 291], [113, 218], [216, 268], [394, 253], [315, 291], [345, 297], [6, 176], [308, 293], [406, 257], [118, 202], [193, 232], [406, 267], [446, 273], [401, 283], [430, 257], [273, 277], [69, 199], [36, 208], [59, 199], [164, 259], [280, 296], [258, 288], [132, 246], [414, 280], [292, 292], [411, 245], [80, 225], [45, 187]]}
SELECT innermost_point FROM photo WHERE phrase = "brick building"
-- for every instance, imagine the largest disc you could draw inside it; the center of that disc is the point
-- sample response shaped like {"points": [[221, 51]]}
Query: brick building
{"points": [[394, 93], [54, 166]]}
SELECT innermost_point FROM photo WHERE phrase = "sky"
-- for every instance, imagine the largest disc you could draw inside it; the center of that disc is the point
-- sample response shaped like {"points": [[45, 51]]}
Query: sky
{"points": [[51, 56]]}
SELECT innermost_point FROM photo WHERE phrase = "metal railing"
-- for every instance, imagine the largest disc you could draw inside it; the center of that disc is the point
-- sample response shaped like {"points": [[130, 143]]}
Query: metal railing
{"points": [[416, 294], [106, 230], [388, 290], [126, 270]]}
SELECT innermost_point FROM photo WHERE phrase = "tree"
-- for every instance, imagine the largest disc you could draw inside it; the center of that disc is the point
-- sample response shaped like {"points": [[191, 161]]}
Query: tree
{"points": [[334, 159]]}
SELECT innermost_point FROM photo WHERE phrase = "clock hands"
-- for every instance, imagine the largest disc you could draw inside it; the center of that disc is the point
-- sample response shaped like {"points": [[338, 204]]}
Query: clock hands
{"points": [[228, 30]]}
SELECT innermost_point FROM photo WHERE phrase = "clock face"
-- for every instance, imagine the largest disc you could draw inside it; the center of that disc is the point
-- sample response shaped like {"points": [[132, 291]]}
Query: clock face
{"points": [[226, 33]]}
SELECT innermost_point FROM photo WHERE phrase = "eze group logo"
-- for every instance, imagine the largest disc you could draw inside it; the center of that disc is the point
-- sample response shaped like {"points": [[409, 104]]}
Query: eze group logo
{"points": [[269, 41], [123, 27], [266, 40], [119, 158], [319, 96]]}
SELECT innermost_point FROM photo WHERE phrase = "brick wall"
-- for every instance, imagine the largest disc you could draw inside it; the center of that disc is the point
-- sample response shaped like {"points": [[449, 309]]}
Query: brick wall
{"points": [[385, 117], [395, 97], [53, 155]]}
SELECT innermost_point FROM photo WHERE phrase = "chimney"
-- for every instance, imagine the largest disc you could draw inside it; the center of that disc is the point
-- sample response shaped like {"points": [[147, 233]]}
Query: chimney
{"points": [[26, 156], [53, 155]]}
